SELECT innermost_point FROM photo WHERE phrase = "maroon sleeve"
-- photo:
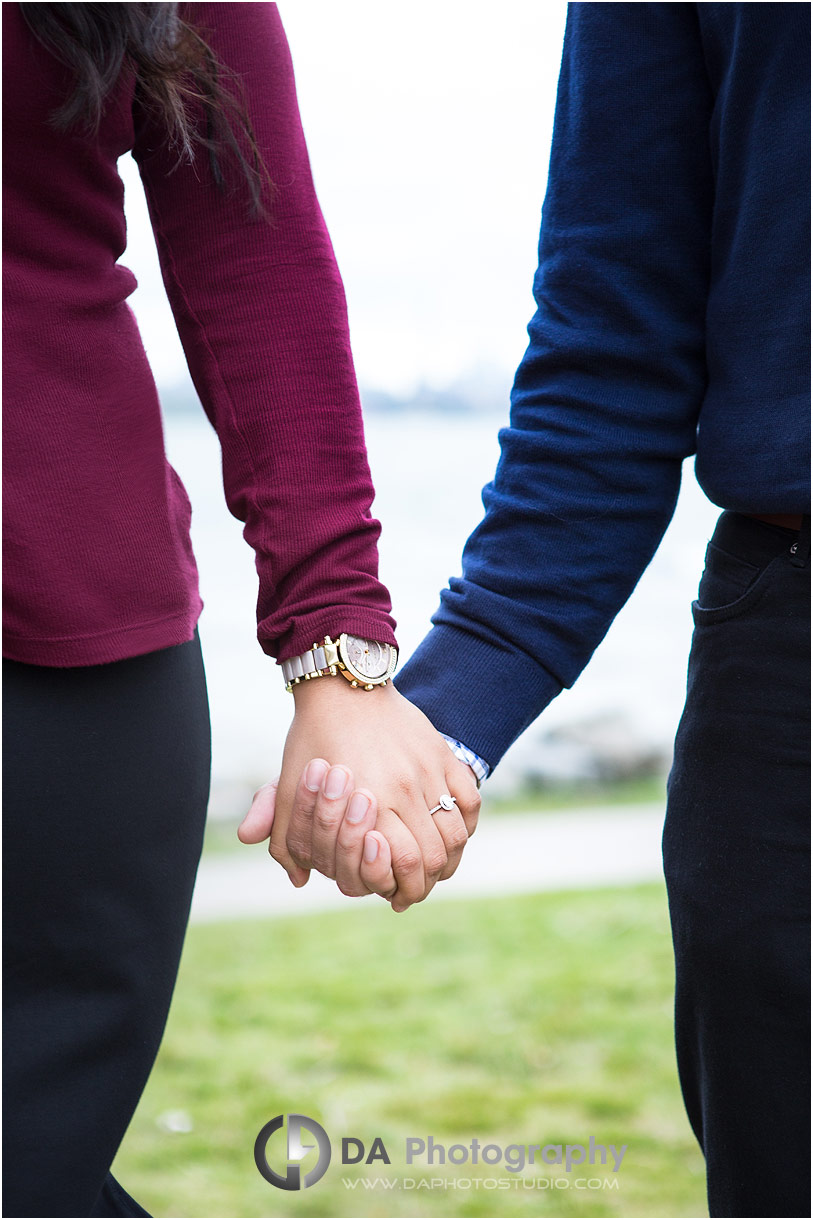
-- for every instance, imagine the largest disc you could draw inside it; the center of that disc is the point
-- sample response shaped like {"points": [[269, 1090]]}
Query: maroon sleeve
{"points": [[261, 312]]}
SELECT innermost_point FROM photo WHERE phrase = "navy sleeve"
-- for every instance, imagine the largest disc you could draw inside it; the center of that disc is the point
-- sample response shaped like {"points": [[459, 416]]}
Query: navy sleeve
{"points": [[605, 403]]}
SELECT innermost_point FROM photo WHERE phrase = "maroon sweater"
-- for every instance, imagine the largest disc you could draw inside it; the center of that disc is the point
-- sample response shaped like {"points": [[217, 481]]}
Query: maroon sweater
{"points": [[97, 559]]}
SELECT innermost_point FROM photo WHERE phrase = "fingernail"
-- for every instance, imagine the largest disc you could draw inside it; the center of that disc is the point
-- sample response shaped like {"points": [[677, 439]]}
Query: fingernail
{"points": [[335, 783], [316, 772], [370, 848], [357, 809]]}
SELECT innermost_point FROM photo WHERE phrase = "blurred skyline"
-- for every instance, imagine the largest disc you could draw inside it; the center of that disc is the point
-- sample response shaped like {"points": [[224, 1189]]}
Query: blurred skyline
{"points": [[429, 133]]}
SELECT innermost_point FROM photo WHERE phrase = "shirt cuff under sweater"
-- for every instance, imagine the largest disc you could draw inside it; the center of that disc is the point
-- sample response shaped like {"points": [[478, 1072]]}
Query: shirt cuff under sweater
{"points": [[476, 691]]}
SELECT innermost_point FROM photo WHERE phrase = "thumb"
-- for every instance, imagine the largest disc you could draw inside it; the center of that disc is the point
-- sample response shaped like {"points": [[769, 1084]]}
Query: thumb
{"points": [[257, 823]]}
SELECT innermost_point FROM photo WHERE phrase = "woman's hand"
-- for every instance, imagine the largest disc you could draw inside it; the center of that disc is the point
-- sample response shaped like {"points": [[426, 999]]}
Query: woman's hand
{"points": [[381, 743]]}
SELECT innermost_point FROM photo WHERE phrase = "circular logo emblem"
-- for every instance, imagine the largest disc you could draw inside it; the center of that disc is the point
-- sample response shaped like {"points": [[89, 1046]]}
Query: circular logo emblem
{"points": [[304, 1134]]}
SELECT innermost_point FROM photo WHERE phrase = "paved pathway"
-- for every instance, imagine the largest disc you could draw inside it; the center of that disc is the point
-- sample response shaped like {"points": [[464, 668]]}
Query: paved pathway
{"points": [[512, 853]]}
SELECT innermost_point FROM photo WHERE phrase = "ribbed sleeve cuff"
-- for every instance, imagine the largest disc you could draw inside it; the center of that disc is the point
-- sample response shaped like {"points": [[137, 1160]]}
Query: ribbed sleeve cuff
{"points": [[480, 693], [310, 629]]}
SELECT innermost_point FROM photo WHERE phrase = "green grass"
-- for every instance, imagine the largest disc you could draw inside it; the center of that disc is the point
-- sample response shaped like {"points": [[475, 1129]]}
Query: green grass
{"points": [[536, 1019], [581, 795]]}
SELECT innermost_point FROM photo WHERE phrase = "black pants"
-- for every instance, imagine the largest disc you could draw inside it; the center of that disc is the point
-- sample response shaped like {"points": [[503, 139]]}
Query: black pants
{"points": [[106, 782], [736, 857]]}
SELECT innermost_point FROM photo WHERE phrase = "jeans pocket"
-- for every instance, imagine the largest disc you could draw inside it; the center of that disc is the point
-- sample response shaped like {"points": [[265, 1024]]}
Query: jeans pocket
{"points": [[729, 585]]}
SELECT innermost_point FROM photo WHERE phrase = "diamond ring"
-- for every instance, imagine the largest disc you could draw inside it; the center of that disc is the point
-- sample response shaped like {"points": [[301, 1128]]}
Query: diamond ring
{"points": [[446, 802]]}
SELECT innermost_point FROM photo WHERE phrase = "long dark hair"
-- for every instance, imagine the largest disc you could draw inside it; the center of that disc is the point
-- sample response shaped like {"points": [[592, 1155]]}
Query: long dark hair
{"points": [[173, 65]]}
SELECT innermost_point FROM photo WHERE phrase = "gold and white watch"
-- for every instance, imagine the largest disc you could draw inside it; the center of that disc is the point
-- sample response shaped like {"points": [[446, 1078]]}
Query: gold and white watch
{"points": [[364, 663]]}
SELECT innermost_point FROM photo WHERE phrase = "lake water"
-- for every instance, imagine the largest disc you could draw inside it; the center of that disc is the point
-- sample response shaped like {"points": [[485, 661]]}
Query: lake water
{"points": [[429, 471]]}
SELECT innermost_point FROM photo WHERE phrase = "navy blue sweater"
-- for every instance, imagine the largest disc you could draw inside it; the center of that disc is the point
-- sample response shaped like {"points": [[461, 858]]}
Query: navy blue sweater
{"points": [[673, 318]]}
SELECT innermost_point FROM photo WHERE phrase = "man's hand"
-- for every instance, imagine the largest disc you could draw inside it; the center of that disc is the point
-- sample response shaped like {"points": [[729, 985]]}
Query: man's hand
{"points": [[363, 864], [378, 739]]}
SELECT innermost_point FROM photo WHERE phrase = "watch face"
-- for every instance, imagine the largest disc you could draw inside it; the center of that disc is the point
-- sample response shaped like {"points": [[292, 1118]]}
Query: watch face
{"points": [[369, 658]]}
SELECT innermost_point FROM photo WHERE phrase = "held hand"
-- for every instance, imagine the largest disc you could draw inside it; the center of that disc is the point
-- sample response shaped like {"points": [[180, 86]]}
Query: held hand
{"points": [[363, 861], [323, 830], [394, 752]]}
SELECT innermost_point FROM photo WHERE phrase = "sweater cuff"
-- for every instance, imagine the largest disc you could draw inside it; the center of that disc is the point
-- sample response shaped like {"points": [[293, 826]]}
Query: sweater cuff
{"points": [[476, 691], [309, 629]]}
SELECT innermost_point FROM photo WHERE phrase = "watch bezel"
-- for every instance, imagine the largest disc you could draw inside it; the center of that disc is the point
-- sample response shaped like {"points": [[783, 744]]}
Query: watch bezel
{"points": [[365, 679]]}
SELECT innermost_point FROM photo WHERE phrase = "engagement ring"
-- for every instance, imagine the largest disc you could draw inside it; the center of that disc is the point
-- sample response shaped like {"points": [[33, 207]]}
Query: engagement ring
{"points": [[446, 802]]}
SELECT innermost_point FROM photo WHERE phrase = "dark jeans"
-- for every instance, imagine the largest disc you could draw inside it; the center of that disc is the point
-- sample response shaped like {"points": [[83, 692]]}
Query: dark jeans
{"points": [[106, 782], [736, 851]]}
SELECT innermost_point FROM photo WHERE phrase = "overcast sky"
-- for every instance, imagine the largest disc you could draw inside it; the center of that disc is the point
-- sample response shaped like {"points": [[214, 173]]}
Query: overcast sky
{"points": [[428, 126]]}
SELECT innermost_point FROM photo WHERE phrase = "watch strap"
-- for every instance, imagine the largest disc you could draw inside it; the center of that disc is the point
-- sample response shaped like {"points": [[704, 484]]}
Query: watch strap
{"points": [[315, 663]]}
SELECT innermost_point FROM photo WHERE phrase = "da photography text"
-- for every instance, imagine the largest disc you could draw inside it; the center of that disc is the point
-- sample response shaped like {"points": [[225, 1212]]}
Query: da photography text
{"points": [[290, 1139]]}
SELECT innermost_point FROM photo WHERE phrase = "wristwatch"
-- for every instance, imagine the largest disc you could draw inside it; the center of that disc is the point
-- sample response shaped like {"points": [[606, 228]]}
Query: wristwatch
{"points": [[364, 663]]}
